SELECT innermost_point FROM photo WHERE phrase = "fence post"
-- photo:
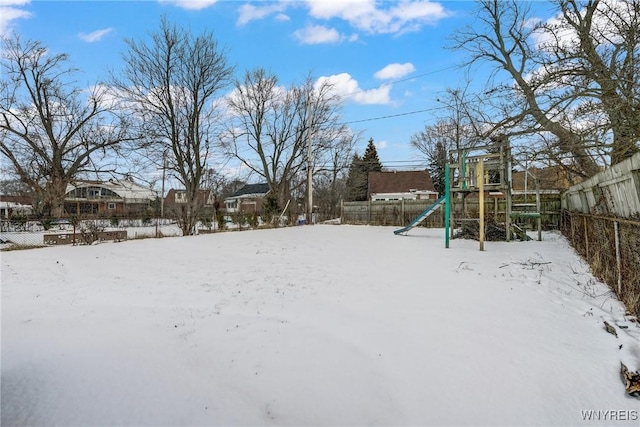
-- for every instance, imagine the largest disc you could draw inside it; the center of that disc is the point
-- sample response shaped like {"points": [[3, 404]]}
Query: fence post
{"points": [[573, 230], [618, 261], [402, 220], [369, 207], [586, 236]]}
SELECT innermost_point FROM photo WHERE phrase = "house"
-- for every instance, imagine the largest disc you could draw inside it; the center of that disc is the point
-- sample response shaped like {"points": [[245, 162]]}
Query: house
{"points": [[15, 205], [247, 199], [176, 199], [552, 179], [401, 185], [109, 198]]}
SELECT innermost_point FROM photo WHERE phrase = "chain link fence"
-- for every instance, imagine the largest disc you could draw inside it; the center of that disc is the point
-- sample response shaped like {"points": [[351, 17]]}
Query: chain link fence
{"points": [[611, 246], [25, 233]]}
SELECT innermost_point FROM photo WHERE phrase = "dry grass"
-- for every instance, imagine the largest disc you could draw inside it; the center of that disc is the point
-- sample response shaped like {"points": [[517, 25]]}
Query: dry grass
{"points": [[16, 247], [594, 238]]}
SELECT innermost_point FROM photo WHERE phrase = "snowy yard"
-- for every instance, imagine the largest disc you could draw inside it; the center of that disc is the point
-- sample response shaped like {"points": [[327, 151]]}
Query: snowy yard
{"points": [[313, 325]]}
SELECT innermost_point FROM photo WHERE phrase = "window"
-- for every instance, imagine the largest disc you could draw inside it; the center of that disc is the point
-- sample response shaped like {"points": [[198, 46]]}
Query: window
{"points": [[94, 193], [111, 206], [105, 192]]}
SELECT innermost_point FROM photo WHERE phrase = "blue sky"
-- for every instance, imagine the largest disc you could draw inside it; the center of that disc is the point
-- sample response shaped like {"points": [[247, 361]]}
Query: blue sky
{"points": [[388, 57]]}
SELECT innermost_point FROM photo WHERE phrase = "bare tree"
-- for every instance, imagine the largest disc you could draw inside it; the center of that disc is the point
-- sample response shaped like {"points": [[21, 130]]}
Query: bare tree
{"points": [[51, 130], [599, 41], [270, 127], [505, 37], [330, 175], [439, 143], [170, 82]]}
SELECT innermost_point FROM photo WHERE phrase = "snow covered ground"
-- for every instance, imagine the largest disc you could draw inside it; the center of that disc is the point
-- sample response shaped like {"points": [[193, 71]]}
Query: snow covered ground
{"points": [[312, 325]]}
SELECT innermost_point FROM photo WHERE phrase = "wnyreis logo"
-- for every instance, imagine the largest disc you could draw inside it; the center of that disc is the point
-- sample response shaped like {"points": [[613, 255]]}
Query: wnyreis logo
{"points": [[610, 415]]}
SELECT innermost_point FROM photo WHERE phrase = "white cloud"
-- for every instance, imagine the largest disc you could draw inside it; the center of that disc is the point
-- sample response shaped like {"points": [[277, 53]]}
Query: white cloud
{"points": [[251, 12], [4, 3], [381, 145], [317, 34], [10, 11], [95, 36], [281, 17], [347, 87], [373, 17], [190, 4], [394, 71], [556, 32]]}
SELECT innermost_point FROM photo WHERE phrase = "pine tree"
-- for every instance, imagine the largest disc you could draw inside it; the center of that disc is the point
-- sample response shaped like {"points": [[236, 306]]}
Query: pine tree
{"points": [[370, 160], [436, 167], [358, 179]]}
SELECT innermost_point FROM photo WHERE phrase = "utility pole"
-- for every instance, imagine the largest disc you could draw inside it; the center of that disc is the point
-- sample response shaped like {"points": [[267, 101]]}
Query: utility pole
{"points": [[164, 168], [309, 165]]}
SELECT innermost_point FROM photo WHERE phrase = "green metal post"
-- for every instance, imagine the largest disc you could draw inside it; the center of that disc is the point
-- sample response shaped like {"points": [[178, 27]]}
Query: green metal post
{"points": [[447, 205]]}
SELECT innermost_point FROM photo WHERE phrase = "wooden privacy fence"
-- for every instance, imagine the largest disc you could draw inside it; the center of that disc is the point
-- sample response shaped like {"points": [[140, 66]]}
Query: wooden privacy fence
{"points": [[396, 212], [611, 246], [402, 212]]}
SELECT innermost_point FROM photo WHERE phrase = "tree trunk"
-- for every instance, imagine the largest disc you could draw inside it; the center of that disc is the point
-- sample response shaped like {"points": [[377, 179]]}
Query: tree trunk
{"points": [[55, 194]]}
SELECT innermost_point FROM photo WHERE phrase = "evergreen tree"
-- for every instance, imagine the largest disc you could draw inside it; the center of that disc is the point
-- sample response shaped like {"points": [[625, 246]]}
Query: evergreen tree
{"points": [[370, 160], [436, 167], [357, 186]]}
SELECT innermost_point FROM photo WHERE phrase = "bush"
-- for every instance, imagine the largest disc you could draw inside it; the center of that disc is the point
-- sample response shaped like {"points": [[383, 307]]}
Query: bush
{"points": [[270, 208], [220, 219], [253, 220], [90, 231]]}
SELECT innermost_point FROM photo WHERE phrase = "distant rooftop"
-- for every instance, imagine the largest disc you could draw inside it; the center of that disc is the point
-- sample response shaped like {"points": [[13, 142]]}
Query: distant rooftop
{"points": [[252, 189], [399, 182]]}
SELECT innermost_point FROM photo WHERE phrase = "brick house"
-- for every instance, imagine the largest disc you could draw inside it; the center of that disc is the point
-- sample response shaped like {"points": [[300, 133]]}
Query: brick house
{"points": [[15, 206], [551, 178], [176, 199], [248, 199], [401, 185]]}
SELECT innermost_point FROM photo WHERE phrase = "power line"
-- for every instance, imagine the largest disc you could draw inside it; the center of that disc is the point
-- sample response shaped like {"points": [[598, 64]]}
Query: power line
{"points": [[402, 80], [394, 82], [394, 115]]}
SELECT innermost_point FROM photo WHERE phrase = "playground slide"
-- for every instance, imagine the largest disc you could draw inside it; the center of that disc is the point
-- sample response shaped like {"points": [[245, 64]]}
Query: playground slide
{"points": [[422, 216]]}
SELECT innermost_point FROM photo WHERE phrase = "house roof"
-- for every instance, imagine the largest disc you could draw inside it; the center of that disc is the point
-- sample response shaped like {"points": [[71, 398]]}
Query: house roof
{"points": [[399, 182], [19, 203], [252, 189], [128, 190], [16, 200], [551, 178]]}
